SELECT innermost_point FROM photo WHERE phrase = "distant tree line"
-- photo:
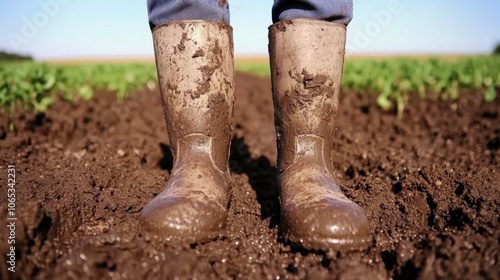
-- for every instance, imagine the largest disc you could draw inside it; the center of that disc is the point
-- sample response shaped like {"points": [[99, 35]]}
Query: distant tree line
{"points": [[13, 56], [496, 51]]}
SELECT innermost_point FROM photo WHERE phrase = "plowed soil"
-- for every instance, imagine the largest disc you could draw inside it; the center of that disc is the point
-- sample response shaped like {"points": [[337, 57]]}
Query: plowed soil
{"points": [[429, 183]]}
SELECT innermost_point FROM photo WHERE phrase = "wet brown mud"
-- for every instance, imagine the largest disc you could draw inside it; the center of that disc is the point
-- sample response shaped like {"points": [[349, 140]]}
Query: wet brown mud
{"points": [[429, 183]]}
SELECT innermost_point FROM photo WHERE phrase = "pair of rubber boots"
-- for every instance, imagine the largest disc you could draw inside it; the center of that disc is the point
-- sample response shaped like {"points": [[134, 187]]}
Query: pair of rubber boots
{"points": [[195, 69]]}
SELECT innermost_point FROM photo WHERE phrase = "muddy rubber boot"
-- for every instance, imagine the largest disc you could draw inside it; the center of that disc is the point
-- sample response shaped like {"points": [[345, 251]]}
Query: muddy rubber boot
{"points": [[194, 61], [307, 59]]}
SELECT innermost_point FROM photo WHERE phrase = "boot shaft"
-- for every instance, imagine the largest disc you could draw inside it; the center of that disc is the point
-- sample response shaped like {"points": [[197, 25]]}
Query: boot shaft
{"points": [[307, 58], [194, 61]]}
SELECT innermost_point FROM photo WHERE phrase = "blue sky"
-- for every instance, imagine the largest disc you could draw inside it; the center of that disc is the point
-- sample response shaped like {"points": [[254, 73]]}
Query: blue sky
{"points": [[70, 28]]}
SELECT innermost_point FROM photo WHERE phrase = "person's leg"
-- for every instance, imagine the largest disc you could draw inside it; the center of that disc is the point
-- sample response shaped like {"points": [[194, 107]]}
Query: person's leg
{"points": [[338, 11], [307, 57], [161, 11], [194, 60]]}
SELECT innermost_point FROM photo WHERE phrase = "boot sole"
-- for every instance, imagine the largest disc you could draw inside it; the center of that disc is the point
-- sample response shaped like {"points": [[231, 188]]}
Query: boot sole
{"points": [[325, 243], [188, 238]]}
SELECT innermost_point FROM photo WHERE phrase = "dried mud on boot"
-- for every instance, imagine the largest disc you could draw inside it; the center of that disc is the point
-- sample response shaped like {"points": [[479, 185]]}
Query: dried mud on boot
{"points": [[428, 184]]}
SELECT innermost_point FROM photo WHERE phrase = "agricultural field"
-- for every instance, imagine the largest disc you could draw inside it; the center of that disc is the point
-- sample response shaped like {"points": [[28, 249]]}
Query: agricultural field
{"points": [[417, 146]]}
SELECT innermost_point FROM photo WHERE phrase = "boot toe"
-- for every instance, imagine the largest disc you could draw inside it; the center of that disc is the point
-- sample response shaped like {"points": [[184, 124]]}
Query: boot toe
{"points": [[182, 218], [330, 224]]}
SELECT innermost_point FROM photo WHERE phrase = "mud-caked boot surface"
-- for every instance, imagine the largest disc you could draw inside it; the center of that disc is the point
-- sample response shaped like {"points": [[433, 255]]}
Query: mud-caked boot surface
{"points": [[195, 70], [307, 59]]}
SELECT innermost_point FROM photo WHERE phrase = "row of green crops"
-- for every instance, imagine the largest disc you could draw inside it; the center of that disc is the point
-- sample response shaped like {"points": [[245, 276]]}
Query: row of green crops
{"points": [[34, 87], [395, 80]]}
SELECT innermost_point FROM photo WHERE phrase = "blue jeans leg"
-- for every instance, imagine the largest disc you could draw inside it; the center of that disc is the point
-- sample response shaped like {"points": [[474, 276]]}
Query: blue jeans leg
{"points": [[339, 11], [161, 11]]}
